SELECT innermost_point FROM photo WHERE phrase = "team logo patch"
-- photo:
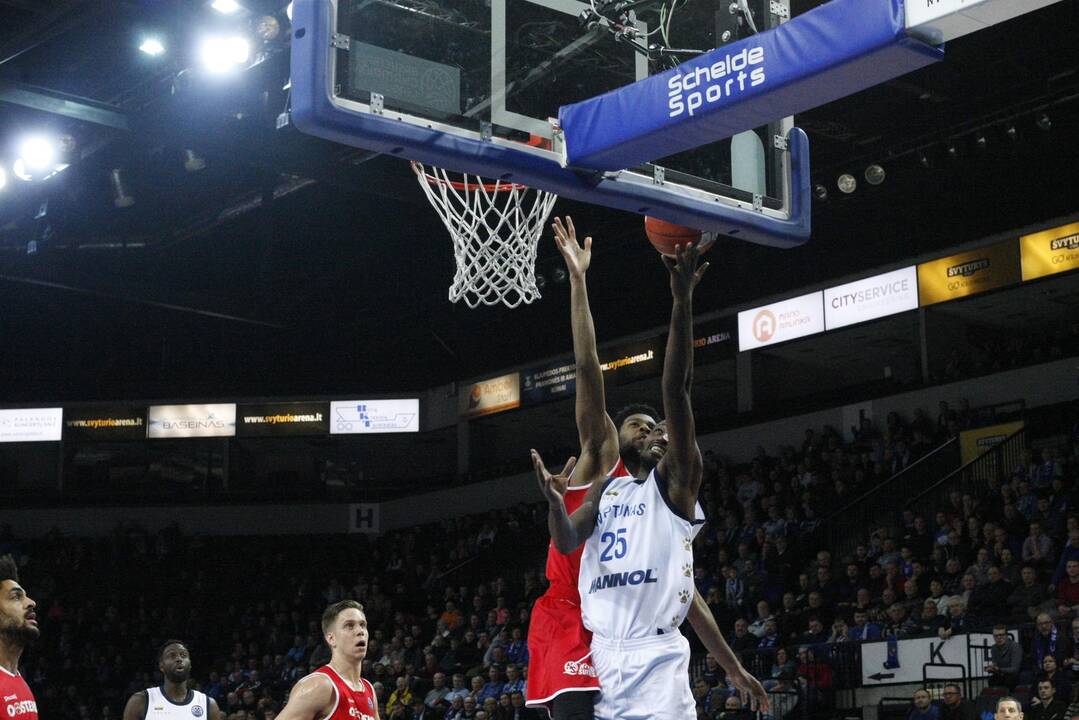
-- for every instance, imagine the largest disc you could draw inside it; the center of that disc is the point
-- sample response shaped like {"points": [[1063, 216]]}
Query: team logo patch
{"points": [[579, 668], [196, 710], [683, 595], [687, 570]]}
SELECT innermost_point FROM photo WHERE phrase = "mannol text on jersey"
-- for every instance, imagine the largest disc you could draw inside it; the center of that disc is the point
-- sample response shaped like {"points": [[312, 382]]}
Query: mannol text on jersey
{"points": [[616, 511], [622, 579]]}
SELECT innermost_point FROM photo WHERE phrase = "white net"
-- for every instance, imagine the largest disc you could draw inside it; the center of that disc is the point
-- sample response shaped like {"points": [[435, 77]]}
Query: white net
{"points": [[495, 228]]}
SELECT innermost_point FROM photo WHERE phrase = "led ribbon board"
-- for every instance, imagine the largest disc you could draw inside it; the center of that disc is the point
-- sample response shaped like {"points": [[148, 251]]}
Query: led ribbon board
{"points": [[834, 50]]}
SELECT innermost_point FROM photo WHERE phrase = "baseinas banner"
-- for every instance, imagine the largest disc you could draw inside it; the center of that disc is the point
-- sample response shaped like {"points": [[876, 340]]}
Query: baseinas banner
{"points": [[974, 443], [871, 298], [490, 396], [904, 660], [781, 321], [105, 422], [969, 273], [366, 417], [187, 421], [282, 419], [1050, 251], [31, 425]]}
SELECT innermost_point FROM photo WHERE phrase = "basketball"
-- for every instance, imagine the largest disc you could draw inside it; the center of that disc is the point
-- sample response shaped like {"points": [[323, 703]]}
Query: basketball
{"points": [[664, 236]]}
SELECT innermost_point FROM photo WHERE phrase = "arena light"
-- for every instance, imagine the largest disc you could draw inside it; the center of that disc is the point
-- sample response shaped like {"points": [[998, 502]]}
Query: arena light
{"points": [[221, 54], [193, 162], [152, 47], [820, 192], [37, 153], [874, 174], [288, 12], [121, 198], [225, 7], [846, 183], [1044, 123], [3, 178]]}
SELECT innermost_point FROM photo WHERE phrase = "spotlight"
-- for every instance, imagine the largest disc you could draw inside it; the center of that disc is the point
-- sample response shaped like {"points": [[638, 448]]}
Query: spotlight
{"points": [[1043, 122], [558, 275], [1011, 132], [225, 7], [541, 281], [37, 153], [847, 184], [221, 54], [3, 178], [121, 198], [267, 28], [923, 160], [193, 162], [874, 174], [980, 142], [820, 192], [152, 47], [288, 12], [953, 151]]}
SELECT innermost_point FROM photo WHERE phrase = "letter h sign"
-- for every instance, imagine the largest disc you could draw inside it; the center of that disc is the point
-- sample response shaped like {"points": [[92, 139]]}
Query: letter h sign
{"points": [[363, 518]]}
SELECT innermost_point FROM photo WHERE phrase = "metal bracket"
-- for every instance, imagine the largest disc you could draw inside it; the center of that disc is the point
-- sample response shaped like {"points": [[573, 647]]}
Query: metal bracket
{"points": [[341, 42], [378, 103], [758, 202], [659, 175], [486, 130], [779, 142], [778, 9]]}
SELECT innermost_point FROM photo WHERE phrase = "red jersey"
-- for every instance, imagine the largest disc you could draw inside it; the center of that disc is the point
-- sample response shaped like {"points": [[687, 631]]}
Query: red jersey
{"points": [[16, 700], [351, 704], [563, 569]]}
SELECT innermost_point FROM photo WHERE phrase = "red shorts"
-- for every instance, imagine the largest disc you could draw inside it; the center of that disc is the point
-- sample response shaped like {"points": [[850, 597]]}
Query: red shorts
{"points": [[559, 650]]}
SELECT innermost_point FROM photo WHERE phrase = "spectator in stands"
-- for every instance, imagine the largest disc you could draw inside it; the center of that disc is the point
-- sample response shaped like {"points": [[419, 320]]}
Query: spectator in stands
{"points": [[1070, 552], [742, 640], [456, 710], [459, 688], [1046, 704], [1038, 547], [782, 664], [923, 709], [840, 632], [989, 602], [1005, 659], [764, 614], [954, 705], [1047, 640], [400, 700], [862, 629], [956, 622], [1027, 600], [930, 621], [1068, 591], [514, 681], [493, 686], [733, 710], [1052, 672], [980, 568], [1071, 662], [436, 696], [815, 676], [815, 633]]}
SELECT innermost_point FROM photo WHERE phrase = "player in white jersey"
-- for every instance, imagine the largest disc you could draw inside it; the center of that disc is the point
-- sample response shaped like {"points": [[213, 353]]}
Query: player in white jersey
{"points": [[634, 612], [174, 700]]}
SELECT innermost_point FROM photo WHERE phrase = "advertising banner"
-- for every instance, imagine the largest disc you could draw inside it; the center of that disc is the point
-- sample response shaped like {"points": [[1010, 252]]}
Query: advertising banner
{"points": [[871, 298], [188, 421], [1050, 251], [282, 419], [714, 340], [633, 361], [781, 321], [974, 443], [913, 660], [367, 417], [31, 425], [105, 422], [549, 382], [969, 273], [488, 397]]}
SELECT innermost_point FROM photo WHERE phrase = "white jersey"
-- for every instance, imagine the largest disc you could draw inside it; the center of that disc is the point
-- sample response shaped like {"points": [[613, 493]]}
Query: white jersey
{"points": [[636, 576], [159, 707]]}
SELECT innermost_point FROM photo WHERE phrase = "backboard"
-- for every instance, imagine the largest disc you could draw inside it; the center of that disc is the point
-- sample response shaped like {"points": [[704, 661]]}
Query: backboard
{"points": [[475, 86]]}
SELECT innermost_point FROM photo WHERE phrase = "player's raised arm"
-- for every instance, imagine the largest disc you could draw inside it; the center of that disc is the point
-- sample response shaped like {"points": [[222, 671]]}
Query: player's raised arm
{"points": [[594, 427], [311, 698], [568, 532], [682, 465], [704, 624]]}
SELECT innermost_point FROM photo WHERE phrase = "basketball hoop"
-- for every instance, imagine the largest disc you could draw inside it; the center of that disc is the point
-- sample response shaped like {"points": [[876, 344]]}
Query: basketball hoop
{"points": [[495, 227]]}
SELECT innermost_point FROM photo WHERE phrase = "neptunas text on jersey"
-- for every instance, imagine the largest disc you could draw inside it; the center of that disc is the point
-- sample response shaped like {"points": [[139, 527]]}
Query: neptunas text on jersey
{"points": [[616, 511]]}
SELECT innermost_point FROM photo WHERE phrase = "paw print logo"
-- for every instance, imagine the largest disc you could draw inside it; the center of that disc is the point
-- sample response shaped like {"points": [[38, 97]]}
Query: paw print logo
{"points": [[674, 621], [687, 544], [687, 570], [683, 595]]}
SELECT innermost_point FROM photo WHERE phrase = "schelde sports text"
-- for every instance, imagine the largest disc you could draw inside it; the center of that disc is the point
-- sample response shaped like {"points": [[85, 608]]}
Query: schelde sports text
{"points": [[689, 91]]}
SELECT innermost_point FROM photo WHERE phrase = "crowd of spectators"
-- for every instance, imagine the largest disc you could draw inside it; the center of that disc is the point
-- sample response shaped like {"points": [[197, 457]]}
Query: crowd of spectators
{"points": [[448, 603]]}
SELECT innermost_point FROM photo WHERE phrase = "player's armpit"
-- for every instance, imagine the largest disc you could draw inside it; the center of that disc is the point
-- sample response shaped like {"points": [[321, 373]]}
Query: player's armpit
{"points": [[136, 706], [311, 699], [215, 711]]}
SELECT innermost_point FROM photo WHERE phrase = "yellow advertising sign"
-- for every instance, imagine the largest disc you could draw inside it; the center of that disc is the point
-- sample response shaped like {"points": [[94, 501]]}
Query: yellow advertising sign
{"points": [[490, 396], [974, 443], [1050, 251], [968, 273]]}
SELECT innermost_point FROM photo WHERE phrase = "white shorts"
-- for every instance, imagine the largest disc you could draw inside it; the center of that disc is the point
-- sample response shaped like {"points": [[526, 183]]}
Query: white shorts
{"points": [[644, 678]]}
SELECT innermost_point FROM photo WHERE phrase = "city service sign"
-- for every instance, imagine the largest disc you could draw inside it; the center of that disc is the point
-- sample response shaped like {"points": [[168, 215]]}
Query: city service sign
{"points": [[871, 298]]}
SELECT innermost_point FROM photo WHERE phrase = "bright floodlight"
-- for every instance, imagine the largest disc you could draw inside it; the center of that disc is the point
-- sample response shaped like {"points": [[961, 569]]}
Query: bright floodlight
{"points": [[226, 7], [847, 184], [152, 47], [3, 178], [220, 54], [288, 12], [37, 153]]}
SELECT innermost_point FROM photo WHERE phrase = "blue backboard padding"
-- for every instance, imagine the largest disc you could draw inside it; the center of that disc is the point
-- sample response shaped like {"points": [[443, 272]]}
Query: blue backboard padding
{"points": [[832, 51], [314, 111]]}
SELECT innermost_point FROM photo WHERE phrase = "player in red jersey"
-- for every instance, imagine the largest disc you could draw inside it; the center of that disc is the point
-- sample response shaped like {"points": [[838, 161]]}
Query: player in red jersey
{"points": [[18, 628], [560, 676], [336, 691]]}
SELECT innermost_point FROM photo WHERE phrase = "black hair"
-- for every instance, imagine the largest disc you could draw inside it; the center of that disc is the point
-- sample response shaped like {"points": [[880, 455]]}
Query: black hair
{"points": [[164, 646], [9, 570], [635, 409]]}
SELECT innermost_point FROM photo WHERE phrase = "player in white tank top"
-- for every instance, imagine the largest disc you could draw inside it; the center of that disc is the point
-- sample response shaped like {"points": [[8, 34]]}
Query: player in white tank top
{"points": [[174, 700]]}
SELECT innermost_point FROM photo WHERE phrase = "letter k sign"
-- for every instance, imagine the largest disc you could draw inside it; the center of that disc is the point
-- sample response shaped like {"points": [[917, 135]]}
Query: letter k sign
{"points": [[935, 657]]}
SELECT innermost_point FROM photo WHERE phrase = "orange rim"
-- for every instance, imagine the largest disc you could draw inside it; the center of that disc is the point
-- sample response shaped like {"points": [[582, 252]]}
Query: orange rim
{"points": [[501, 186]]}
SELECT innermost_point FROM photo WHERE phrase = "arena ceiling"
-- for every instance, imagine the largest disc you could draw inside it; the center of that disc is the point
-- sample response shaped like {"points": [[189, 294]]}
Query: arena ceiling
{"points": [[289, 265]]}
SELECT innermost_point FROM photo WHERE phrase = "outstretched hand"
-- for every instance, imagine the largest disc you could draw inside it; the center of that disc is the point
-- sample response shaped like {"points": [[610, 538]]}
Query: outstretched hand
{"points": [[577, 257], [753, 693], [553, 487], [684, 271]]}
